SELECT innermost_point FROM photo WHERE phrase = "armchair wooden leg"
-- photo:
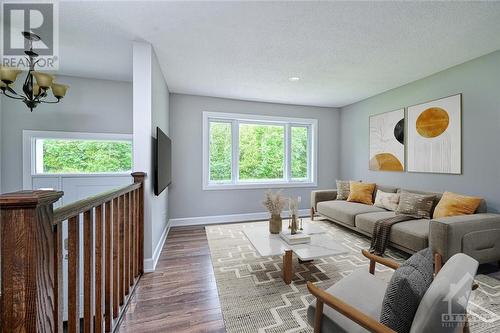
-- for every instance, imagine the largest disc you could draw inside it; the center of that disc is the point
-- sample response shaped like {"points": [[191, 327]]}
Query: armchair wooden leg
{"points": [[466, 325], [372, 267], [312, 214], [438, 262], [318, 316]]}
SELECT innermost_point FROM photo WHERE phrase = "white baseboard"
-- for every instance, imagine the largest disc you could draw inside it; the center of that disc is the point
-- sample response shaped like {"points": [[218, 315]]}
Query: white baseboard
{"points": [[150, 263], [218, 219]]}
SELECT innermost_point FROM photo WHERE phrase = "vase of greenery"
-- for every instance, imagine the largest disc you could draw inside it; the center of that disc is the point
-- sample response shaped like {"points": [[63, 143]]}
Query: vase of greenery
{"points": [[274, 202]]}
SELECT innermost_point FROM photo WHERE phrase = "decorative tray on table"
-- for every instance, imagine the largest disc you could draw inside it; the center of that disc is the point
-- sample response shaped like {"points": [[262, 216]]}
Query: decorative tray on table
{"points": [[298, 238]]}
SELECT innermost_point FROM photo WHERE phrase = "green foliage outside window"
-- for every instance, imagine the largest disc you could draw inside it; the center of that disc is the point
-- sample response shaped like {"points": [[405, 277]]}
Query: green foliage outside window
{"points": [[299, 152], [262, 152], [220, 151], [86, 156]]}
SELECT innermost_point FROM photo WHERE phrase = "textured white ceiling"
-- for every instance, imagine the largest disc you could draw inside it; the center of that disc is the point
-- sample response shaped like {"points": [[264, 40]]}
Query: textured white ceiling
{"points": [[342, 51]]}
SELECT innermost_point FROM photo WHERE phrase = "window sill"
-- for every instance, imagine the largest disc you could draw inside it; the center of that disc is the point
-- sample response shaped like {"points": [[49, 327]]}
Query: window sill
{"points": [[246, 186], [97, 174]]}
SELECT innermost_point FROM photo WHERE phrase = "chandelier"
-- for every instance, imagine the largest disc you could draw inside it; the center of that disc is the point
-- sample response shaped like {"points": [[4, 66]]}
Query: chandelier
{"points": [[33, 92]]}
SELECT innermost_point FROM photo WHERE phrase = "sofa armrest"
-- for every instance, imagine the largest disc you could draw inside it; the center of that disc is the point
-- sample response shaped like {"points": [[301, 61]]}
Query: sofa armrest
{"points": [[322, 195], [477, 235]]}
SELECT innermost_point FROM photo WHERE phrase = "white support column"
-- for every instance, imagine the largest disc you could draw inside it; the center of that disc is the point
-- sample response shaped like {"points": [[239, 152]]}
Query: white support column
{"points": [[150, 110], [142, 147]]}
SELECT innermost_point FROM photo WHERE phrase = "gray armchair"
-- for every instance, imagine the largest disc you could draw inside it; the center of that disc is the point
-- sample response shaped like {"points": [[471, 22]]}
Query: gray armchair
{"points": [[354, 303]]}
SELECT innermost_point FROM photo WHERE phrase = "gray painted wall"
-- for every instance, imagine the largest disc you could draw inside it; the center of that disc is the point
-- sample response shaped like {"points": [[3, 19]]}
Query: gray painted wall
{"points": [[90, 106], [479, 82], [187, 199]]}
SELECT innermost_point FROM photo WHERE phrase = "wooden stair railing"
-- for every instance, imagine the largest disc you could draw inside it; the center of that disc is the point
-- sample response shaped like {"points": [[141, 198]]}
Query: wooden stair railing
{"points": [[32, 249]]}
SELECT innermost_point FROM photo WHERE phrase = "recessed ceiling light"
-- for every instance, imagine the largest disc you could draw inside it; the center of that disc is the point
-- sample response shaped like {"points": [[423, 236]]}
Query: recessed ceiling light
{"points": [[294, 78]]}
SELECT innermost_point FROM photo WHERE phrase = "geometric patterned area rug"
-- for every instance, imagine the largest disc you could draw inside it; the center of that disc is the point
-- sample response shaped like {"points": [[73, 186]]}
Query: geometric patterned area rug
{"points": [[254, 297]]}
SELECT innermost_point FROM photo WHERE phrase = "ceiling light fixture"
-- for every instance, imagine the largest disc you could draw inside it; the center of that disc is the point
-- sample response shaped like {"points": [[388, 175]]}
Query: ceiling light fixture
{"points": [[33, 93], [294, 79]]}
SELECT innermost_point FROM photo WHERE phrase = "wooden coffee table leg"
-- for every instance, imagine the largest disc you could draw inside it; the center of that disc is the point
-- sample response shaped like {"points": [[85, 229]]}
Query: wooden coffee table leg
{"points": [[287, 267]]}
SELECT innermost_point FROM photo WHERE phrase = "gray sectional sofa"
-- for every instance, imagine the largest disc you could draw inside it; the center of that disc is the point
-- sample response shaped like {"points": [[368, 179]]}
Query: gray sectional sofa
{"points": [[477, 235]]}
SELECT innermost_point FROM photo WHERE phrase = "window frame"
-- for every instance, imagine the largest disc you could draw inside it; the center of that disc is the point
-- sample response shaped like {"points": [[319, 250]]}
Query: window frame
{"points": [[30, 151], [235, 119]]}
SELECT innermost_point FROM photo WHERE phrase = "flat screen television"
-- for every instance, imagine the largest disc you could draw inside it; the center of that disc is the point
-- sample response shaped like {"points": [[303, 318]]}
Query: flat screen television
{"points": [[163, 161]]}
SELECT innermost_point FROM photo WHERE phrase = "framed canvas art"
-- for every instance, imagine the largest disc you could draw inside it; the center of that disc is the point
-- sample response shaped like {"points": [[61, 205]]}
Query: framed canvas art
{"points": [[387, 141], [435, 136]]}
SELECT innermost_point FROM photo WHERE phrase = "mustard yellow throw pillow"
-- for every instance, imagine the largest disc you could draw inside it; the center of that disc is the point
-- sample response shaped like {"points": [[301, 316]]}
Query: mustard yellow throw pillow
{"points": [[452, 204], [361, 192]]}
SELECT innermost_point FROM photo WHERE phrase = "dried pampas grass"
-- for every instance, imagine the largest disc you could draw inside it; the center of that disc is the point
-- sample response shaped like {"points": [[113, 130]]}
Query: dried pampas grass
{"points": [[274, 202], [293, 206]]}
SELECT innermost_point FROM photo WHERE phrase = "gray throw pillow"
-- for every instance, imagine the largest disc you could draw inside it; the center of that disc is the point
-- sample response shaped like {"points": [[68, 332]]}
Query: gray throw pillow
{"points": [[405, 291], [343, 189], [416, 205]]}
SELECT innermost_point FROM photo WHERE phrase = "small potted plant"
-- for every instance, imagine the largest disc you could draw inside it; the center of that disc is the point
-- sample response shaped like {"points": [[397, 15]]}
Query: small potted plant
{"points": [[274, 202]]}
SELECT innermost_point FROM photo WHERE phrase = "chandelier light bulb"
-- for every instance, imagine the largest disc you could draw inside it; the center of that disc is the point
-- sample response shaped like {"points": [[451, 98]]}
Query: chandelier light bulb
{"points": [[59, 90], [44, 80], [9, 74]]}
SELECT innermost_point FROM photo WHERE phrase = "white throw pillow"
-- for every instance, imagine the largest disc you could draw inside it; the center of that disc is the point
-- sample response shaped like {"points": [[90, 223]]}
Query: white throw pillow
{"points": [[387, 200]]}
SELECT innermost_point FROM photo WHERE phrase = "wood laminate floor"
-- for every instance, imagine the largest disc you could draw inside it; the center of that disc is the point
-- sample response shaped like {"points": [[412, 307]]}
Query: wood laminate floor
{"points": [[181, 295]]}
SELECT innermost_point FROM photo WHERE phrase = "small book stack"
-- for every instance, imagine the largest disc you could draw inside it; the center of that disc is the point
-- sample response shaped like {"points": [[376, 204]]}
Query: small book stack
{"points": [[298, 238]]}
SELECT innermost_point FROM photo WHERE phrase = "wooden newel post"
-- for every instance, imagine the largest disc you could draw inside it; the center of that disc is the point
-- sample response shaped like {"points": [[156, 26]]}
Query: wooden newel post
{"points": [[29, 278], [139, 178]]}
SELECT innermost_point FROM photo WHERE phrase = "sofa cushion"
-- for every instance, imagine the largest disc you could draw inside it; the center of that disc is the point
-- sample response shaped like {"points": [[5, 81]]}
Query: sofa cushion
{"points": [[405, 290], [453, 204], [436, 194], [360, 289], [361, 192], [366, 222], [416, 205], [413, 234], [344, 211], [389, 201], [384, 188], [343, 187]]}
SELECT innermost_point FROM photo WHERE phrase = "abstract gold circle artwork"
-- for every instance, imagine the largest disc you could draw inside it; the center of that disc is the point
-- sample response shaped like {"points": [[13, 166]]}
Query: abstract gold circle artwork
{"points": [[433, 143], [386, 162], [432, 122]]}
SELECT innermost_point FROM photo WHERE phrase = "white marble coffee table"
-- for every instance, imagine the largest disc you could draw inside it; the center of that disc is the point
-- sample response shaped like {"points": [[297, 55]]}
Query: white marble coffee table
{"points": [[267, 244]]}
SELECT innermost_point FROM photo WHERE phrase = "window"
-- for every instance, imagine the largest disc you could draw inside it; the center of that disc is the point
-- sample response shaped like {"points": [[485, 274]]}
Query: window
{"points": [[82, 156], [247, 151], [220, 151], [261, 152], [299, 152], [79, 153]]}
